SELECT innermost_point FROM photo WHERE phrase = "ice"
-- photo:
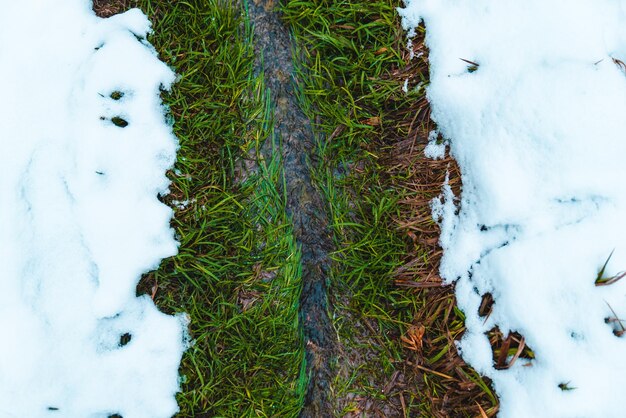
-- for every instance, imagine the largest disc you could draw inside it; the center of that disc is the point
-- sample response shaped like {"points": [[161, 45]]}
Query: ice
{"points": [[83, 148], [531, 98]]}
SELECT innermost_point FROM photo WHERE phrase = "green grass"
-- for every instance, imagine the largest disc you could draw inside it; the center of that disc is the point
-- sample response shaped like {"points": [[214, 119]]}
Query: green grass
{"points": [[237, 273], [348, 51], [353, 64]]}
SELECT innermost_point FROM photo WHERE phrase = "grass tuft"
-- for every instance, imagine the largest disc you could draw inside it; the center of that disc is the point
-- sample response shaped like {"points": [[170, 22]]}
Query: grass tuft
{"points": [[237, 272]]}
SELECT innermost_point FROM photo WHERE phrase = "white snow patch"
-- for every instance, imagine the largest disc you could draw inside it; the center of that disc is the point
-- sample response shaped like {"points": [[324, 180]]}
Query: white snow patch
{"points": [[80, 220], [538, 130], [435, 149], [183, 204], [405, 86]]}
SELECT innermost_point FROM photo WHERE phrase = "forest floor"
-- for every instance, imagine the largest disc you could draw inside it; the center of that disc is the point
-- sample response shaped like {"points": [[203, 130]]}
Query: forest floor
{"points": [[265, 214]]}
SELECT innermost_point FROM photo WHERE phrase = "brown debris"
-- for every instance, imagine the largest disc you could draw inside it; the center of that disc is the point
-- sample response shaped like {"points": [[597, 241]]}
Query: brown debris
{"points": [[620, 64], [506, 351], [449, 384], [247, 298], [610, 280], [619, 329], [413, 338], [108, 8], [486, 306]]}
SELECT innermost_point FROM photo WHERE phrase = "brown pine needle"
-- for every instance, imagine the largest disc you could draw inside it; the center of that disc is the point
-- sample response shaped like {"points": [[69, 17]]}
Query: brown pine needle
{"points": [[426, 369], [619, 321], [483, 414], [469, 62]]}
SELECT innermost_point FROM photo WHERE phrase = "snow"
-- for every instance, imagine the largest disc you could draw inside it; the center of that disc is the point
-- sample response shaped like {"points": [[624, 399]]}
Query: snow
{"points": [[435, 149], [80, 220], [405, 86], [538, 129]]}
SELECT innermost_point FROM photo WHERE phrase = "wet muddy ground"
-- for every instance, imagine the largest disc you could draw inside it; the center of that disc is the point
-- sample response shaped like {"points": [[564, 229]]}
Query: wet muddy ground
{"points": [[294, 142]]}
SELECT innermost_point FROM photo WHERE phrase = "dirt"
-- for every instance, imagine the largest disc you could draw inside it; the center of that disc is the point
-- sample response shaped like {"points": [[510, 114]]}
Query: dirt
{"points": [[295, 141], [108, 8]]}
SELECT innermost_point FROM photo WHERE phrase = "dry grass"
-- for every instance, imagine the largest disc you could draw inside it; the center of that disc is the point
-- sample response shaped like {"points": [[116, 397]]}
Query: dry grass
{"points": [[108, 8], [452, 388], [430, 367]]}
